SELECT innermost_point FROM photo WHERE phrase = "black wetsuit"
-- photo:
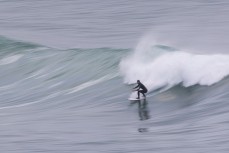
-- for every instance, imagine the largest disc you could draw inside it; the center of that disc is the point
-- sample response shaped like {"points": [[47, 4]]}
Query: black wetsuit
{"points": [[142, 89]]}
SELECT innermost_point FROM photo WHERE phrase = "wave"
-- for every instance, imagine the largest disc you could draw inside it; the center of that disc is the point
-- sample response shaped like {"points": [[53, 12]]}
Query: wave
{"points": [[160, 66], [31, 72]]}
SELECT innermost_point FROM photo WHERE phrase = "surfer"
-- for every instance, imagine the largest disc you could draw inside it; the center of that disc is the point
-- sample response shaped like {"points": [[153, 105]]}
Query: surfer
{"points": [[141, 89]]}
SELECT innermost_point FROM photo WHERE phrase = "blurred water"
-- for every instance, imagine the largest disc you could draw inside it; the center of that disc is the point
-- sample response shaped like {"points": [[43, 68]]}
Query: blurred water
{"points": [[57, 95], [198, 26]]}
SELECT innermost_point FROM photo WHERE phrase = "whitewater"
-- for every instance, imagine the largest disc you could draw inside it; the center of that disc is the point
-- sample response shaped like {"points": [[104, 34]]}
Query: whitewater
{"points": [[67, 69]]}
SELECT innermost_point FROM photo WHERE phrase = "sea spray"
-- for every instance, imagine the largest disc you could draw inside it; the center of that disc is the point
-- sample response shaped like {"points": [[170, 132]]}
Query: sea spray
{"points": [[172, 68]]}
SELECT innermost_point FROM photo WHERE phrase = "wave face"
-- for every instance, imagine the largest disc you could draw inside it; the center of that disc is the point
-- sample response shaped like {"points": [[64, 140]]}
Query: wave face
{"points": [[31, 71]]}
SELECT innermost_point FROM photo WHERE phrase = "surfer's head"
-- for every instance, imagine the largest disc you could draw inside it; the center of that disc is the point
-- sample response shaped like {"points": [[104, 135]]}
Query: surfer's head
{"points": [[138, 81]]}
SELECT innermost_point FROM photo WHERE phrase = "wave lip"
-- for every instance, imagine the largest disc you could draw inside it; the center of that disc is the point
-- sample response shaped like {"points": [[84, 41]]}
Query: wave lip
{"points": [[172, 68]]}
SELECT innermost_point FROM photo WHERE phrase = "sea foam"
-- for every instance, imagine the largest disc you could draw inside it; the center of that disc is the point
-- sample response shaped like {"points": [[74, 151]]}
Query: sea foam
{"points": [[160, 66]]}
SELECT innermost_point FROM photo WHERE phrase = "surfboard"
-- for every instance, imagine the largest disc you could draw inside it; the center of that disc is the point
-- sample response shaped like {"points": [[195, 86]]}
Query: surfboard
{"points": [[141, 98], [133, 96]]}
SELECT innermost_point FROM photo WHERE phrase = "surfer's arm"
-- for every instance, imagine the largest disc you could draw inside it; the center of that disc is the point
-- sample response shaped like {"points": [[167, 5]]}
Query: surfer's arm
{"points": [[136, 87]]}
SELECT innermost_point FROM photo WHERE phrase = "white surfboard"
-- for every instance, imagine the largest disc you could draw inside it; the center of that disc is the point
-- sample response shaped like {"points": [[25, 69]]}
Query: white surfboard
{"points": [[134, 95], [141, 98]]}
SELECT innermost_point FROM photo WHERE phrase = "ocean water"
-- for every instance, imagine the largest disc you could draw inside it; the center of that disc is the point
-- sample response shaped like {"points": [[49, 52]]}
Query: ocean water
{"points": [[67, 69]]}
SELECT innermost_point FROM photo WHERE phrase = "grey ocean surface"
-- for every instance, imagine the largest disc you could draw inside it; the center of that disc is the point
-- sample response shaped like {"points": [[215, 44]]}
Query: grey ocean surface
{"points": [[67, 69]]}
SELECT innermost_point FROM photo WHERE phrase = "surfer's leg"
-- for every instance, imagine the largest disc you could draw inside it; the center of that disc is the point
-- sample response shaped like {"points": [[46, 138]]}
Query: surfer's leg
{"points": [[138, 94], [140, 91], [143, 93]]}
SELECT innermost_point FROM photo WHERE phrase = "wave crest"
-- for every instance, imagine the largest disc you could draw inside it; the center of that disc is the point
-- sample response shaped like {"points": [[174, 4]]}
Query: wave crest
{"points": [[166, 68]]}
